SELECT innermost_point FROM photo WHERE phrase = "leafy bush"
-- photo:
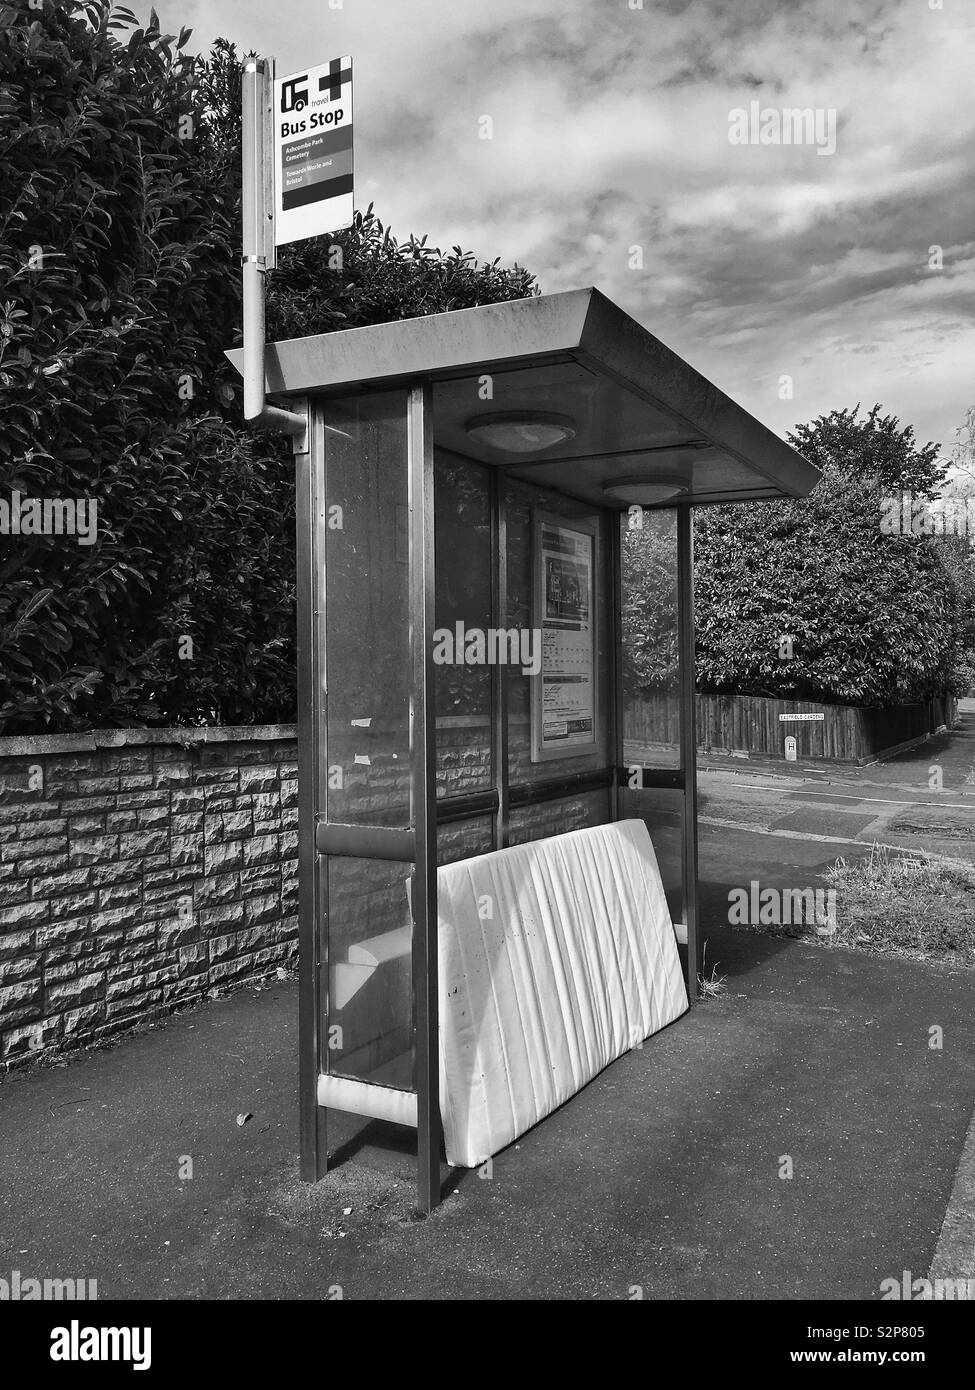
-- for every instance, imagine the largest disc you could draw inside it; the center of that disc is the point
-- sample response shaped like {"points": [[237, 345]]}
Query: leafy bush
{"points": [[649, 617], [363, 275], [119, 291], [871, 616], [874, 619], [117, 286], [957, 557]]}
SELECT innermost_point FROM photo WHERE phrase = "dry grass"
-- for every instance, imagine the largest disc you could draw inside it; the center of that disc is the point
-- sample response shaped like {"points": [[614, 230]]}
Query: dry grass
{"points": [[710, 986], [914, 903]]}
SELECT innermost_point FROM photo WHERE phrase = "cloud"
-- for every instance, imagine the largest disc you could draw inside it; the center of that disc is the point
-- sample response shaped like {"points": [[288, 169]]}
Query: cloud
{"points": [[610, 130]]}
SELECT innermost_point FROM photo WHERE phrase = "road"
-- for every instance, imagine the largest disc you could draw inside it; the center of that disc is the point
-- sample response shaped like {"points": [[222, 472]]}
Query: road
{"points": [[922, 799], [785, 824]]}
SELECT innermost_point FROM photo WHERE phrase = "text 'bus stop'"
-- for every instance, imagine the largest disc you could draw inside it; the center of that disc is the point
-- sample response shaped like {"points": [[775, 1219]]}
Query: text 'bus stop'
{"points": [[466, 488]]}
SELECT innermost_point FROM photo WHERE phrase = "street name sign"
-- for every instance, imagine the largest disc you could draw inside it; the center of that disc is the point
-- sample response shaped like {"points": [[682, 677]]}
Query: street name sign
{"points": [[312, 119], [794, 718]]}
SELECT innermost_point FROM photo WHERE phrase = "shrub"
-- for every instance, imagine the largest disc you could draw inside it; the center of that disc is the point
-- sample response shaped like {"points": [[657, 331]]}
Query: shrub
{"points": [[871, 616], [119, 292]]}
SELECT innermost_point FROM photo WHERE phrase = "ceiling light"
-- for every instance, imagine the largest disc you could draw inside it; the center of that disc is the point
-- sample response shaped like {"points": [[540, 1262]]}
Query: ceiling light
{"points": [[645, 492], [521, 431]]}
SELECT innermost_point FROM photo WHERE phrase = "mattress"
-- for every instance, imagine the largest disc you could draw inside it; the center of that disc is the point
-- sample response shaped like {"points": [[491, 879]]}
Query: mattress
{"points": [[556, 957]]}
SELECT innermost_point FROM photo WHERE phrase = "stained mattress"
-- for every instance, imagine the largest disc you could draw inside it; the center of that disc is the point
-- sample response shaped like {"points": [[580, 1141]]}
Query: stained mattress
{"points": [[556, 957]]}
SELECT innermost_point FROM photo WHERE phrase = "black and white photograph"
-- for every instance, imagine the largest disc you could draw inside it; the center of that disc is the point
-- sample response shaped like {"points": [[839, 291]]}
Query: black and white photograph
{"points": [[487, 672]]}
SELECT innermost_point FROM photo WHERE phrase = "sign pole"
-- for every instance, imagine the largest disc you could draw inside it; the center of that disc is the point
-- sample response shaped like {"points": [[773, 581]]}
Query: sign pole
{"points": [[257, 233]]}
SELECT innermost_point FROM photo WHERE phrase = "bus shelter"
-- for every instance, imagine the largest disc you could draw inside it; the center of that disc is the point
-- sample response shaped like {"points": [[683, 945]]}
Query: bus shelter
{"points": [[468, 485]]}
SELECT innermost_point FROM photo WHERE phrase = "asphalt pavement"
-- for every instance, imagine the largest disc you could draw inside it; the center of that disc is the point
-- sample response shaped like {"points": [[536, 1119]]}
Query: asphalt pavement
{"points": [[794, 1137], [921, 799]]}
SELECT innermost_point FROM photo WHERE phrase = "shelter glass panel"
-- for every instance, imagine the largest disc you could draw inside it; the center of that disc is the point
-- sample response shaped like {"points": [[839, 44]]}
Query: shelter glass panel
{"points": [[367, 624], [660, 809], [523, 503], [651, 672], [370, 1004], [462, 839], [559, 815], [463, 673], [651, 683], [365, 776]]}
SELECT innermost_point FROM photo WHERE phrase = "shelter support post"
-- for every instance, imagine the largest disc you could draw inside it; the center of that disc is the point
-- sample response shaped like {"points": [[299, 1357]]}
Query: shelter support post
{"points": [[617, 703], [311, 656], [424, 787], [499, 687], [688, 742]]}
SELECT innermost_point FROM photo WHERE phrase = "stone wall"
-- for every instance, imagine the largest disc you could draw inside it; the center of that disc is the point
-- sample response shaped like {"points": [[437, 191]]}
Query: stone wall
{"points": [[139, 870], [143, 869]]}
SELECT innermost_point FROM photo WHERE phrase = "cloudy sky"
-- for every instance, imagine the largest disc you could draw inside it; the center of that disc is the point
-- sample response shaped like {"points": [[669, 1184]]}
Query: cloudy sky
{"points": [[610, 131]]}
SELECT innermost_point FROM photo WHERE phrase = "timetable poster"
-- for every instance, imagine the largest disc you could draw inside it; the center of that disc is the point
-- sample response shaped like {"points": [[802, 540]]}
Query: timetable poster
{"points": [[564, 704]]}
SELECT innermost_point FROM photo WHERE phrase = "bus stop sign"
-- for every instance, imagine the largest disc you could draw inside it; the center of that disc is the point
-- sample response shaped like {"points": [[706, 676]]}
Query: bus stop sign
{"points": [[312, 119]]}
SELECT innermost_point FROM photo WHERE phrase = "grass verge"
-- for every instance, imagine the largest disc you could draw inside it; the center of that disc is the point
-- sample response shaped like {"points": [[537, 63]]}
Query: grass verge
{"points": [[911, 903]]}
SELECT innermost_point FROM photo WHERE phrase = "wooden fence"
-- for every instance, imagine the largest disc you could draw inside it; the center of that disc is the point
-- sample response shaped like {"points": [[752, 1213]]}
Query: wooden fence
{"points": [[750, 724]]}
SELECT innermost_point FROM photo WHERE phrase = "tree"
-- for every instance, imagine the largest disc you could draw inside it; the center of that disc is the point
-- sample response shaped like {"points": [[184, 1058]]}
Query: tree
{"points": [[956, 549], [809, 599], [873, 447]]}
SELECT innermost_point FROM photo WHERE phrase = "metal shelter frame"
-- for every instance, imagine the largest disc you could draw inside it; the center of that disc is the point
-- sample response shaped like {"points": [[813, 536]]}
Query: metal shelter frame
{"points": [[677, 420]]}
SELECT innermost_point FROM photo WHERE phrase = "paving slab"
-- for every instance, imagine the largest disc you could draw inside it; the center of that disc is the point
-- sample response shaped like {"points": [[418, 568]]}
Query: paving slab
{"points": [[831, 821]]}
